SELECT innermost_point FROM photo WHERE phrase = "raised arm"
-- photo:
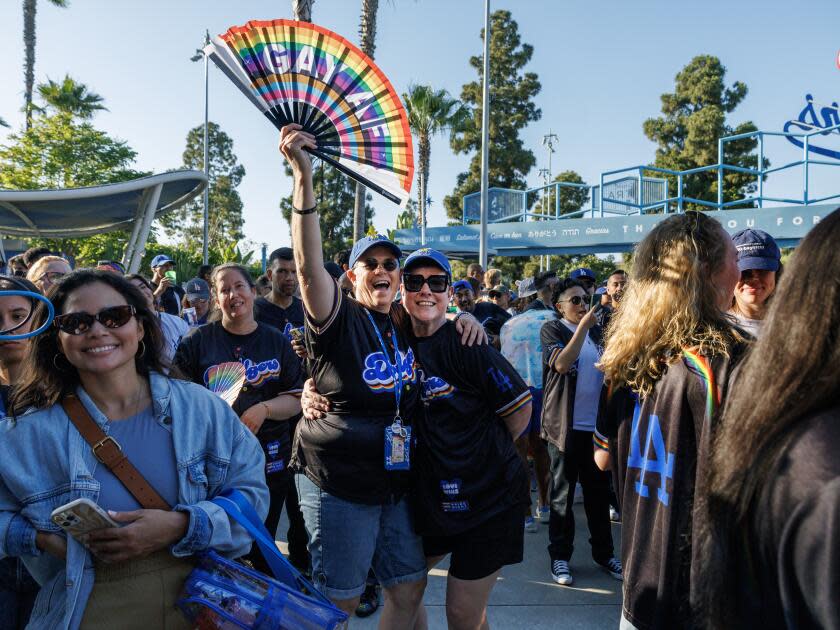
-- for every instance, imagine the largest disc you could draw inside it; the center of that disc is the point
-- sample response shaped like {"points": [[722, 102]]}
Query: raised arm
{"points": [[317, 288]]}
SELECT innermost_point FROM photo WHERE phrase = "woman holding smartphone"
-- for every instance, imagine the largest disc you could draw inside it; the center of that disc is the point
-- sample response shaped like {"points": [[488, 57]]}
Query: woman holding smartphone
{"points": [[104, 352]]}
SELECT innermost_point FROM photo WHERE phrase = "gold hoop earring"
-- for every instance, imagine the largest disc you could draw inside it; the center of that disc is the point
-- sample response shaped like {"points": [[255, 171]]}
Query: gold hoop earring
{"points": [[142, 351], [55, 362]]}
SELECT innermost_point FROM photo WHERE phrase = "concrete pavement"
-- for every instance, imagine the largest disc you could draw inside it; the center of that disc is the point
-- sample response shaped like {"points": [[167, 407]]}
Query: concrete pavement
{"points": [[526, 597]]}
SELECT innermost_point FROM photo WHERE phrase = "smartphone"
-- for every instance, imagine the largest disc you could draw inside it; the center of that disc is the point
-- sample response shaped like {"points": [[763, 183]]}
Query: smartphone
{"points": [[81, 517], [594, 300], [297, 334], [171, 275]]}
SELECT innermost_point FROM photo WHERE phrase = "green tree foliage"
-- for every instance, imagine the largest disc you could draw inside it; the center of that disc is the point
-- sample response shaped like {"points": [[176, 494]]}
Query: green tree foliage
{"points": [[335, 195], [572, 199], [69, 97], [226, 173], [511, 108], [59, 151], [3, 123], [694, 117]]}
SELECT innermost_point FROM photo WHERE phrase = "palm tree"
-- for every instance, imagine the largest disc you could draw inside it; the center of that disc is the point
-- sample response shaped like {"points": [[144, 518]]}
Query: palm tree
{"points": [[3, 123], [430, 112], [367, 37], [30, 7], [302, 10], [70, 97]]}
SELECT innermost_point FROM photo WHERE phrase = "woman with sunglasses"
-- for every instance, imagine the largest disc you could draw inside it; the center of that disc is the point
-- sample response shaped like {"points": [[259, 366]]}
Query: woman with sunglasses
{"points": [[188, 444], [355, 463], [269, 392], [47, 271], [17, 587], [470, 485], [571, 347]]}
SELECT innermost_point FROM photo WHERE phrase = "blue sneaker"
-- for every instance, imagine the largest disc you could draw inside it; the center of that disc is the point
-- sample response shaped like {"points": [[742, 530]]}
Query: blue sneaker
{"points": [[544, 513], [531, 525]]}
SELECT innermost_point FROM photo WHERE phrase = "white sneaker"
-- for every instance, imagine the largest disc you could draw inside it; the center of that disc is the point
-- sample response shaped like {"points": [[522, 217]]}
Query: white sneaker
{"points": [[544, 513], [560, 572], [531, 525], [615, 517], [613, 567]]}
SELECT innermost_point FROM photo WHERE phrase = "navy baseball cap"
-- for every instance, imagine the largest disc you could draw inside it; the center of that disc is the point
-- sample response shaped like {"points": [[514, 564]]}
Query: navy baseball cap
{"points": [[462, 284], [161, 259], [582, 272], [426, 255], [197, 289], [364, 244], [756, 250]]}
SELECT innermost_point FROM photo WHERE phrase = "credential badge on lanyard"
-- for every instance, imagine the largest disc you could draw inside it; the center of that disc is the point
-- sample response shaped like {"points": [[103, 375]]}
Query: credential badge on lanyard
{"points": [[397, 436]]}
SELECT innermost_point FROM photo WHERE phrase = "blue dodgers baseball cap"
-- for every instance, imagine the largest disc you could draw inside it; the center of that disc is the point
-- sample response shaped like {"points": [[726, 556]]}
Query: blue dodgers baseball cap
{"points": [[426, 255], [756, 250], [161, 259], [462, 284], [582, 272], [364, 244]]}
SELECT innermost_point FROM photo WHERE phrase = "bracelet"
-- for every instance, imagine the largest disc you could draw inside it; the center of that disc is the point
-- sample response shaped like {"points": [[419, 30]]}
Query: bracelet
{"points": [[307, 211], [267, 411]]}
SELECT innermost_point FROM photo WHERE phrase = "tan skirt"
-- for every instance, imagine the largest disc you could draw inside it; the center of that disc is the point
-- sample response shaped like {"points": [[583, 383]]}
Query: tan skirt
{"points": [[138, 595]]}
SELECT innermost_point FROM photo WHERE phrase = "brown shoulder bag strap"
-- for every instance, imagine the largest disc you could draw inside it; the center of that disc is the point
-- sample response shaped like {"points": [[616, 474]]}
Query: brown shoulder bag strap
{"points": [[109, 452]]}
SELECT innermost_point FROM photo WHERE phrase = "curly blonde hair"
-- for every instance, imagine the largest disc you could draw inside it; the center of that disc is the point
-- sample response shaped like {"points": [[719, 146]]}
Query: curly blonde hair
{"points": [[669, 304]]}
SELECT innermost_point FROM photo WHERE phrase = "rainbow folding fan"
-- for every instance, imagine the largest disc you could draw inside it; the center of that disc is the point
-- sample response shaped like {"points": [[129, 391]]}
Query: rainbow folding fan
{"points": [[297, 72], [225, 380]]}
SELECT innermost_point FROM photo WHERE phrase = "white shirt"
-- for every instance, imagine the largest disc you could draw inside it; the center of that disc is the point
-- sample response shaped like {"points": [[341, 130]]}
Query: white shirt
{"points": [[589, 382], [173, 328]]}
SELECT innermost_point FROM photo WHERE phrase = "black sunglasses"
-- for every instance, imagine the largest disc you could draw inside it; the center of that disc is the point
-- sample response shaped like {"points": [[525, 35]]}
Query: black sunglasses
{"points": [[371, 264], [413, 283], [575, 299], [79, 323]]}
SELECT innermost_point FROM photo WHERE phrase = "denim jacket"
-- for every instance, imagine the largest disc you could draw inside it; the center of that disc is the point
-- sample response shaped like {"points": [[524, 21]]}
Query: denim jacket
{"points": [[45, 463]]}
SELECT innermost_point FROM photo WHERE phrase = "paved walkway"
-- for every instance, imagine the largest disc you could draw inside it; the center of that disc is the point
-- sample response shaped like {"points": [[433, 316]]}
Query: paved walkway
{"points": [[526, 597]]}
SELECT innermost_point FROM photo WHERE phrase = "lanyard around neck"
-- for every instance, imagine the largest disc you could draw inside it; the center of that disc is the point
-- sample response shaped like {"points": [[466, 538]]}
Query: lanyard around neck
{"points": [[394, 369]]}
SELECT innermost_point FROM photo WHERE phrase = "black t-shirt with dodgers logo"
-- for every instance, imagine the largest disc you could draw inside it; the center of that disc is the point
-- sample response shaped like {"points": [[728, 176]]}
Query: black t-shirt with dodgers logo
{"points": [[271, 368], [466, 465], [344, 453]]}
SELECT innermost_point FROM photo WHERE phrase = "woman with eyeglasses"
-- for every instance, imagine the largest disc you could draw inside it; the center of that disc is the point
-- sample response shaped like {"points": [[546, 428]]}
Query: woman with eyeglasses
{"points": [[47, 271], [17, 587], [173, 328], [355, 463], [572, 346], [268, 391], [103, 350]]}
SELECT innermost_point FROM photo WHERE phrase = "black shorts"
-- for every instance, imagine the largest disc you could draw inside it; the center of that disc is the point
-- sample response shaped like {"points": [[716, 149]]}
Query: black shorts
{"points": [[484, 549]]}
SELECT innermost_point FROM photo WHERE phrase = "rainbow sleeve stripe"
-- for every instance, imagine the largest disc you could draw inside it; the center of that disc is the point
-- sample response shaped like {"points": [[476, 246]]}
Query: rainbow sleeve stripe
{"points": [[701, 365], [600, 442], [520, 401], [554, 354]]}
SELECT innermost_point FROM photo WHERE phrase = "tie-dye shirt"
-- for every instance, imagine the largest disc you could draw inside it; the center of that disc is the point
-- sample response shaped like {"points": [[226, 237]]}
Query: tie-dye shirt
{"points": [[521, 344]]}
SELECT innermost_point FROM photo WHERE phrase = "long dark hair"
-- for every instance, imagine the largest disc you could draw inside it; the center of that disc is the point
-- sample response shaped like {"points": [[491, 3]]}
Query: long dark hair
{"points": [[792, 372], [43, 382]]}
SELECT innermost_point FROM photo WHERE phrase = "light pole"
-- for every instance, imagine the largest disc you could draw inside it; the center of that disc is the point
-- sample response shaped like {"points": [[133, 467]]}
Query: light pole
{"points": [[485, 144], [199, 53]]}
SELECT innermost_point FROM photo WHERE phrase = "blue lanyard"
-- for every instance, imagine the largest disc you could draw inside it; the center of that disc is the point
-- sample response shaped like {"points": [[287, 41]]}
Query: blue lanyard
{"points": [[394, 369]]}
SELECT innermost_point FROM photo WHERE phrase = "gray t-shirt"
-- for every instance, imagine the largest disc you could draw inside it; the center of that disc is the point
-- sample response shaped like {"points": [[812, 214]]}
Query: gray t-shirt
{"points": [[589, 382], [149, 447], [752, 326]]}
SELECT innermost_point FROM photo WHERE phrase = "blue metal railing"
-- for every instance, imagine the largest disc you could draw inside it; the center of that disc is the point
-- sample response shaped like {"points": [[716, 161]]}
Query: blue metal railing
{"points": [[636, 192]]}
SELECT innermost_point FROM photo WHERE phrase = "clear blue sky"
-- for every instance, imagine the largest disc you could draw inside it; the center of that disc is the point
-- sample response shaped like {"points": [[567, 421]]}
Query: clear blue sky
{"points": [[602, 64]]}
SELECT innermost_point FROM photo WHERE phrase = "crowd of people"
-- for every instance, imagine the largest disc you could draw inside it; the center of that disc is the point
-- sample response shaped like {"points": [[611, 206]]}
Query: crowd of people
{"points": [[693, 397]]}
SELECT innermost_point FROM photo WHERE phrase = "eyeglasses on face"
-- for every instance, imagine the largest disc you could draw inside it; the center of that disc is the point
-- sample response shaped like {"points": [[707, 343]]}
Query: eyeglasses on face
{"points": [[371, 264], [52, 276], [413, 283], [575, 299], [80, 323]]}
